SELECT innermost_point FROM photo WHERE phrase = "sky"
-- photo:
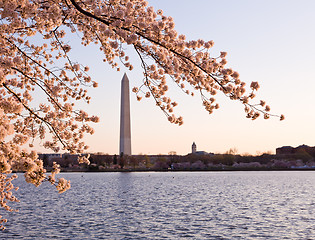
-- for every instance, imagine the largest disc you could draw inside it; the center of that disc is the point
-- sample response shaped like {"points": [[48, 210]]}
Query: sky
{"points": [[268, 41]]}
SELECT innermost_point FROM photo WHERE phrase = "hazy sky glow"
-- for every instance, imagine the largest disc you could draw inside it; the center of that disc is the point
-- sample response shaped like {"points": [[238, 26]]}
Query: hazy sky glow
{"points": [[271, 42]]}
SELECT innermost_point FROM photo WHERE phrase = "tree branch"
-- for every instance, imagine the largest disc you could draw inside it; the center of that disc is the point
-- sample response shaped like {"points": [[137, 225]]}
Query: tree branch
{"points": [[36, 115]]}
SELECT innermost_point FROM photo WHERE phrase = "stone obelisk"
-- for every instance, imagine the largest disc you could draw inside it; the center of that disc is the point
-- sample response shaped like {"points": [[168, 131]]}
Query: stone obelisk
{"points": [[125, 133]]}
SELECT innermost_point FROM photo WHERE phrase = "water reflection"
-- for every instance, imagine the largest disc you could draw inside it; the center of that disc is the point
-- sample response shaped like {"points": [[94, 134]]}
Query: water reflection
{"points": [[197, 205]]}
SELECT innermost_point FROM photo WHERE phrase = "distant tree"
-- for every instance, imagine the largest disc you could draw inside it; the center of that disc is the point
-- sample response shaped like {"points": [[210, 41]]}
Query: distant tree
{"points": [[228, 159], [250, 165], [108, 160], [232, 151], [115, 160], [217, 158], [161, 164], [199, 165], [172, 155], [182, 166], [99, 153], [45, 160], [303, 155], [147, 161], [92, 160], [264, 158], [122, 160], [281, 164], [92, 167], [133, 161], [191, 158]]}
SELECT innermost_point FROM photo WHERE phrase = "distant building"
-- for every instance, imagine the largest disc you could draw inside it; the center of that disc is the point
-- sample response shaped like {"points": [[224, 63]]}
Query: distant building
{"points": [[193, 148], [203, 153], [285, 150], [49, 156], [62, 159], [292, 150]]}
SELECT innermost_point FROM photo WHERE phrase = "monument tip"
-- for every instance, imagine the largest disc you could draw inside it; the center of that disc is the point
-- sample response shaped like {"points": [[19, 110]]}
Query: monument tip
{"points": [[125, 78]]}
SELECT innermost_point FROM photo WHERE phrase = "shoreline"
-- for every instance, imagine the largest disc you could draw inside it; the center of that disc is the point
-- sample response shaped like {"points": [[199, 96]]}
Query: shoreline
{"points": [[190, 170]]}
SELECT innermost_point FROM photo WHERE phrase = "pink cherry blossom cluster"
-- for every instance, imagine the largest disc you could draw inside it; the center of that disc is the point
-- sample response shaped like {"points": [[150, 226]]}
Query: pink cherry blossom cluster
{"points": [[6, 195], [116, 23], [31, 69]]}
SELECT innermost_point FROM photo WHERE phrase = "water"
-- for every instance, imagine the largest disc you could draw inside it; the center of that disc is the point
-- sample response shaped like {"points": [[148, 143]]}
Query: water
{"points": [[168, 205]]}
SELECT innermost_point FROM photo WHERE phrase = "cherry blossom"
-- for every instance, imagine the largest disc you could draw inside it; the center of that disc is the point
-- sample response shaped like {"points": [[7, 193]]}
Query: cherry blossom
{"points": [[28, 66]]}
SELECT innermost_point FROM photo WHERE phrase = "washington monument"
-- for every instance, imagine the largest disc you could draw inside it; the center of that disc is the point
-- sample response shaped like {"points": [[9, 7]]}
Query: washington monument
{"points": [[125, 135]]}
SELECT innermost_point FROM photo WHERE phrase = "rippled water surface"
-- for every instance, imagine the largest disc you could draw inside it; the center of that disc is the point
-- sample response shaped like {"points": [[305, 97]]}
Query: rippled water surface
{"points": [[168, 205]]}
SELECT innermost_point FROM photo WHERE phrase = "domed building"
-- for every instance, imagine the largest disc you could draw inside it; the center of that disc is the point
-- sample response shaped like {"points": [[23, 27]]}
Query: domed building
{"points": [[194, 150]]}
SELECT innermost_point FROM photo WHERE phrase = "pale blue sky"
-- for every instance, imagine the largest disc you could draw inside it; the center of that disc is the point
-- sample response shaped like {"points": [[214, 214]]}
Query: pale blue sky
{"points": [[271, 42]]}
